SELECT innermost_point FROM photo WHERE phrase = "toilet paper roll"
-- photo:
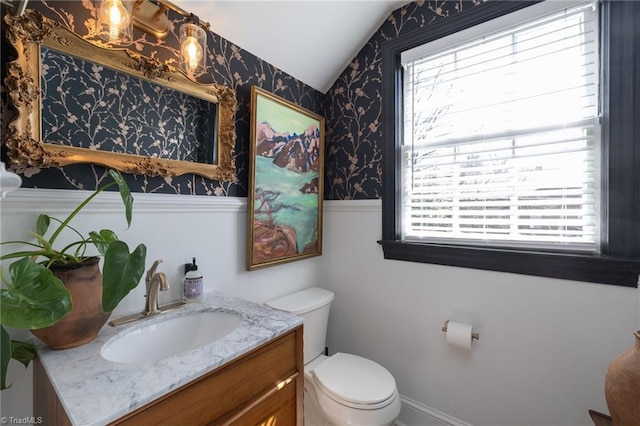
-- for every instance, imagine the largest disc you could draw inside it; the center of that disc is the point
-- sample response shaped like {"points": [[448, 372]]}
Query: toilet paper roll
{"points": [[459, 334]]}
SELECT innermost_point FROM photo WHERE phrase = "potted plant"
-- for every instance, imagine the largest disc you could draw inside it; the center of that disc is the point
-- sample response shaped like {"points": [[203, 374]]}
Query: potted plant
{"points": [[49, 290]]}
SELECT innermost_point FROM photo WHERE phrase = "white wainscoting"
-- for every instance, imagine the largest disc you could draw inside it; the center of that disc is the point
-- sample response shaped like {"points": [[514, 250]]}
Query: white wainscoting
{"points": [[545, 344], [174, 228]]}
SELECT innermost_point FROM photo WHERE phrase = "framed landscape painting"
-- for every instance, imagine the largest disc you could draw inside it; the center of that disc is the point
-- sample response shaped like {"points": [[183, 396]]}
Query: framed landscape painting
{"points": [[285, 183]]}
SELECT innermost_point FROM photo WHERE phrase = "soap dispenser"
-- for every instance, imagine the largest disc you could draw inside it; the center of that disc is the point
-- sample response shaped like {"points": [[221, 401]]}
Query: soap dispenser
{"points": [[192, 283]]}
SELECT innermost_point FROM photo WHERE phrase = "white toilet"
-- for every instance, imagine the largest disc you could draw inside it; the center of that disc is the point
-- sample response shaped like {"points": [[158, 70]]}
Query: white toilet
{"points": [[341, 389]]}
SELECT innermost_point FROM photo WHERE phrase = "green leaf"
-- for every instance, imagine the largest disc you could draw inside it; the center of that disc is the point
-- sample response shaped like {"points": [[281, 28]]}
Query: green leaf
{"points": [[5, 356], [121, 273], [20, 351], [42, 224], [44, 243], [35, 299], [17, 254], [23, 352], [125, 193], [77, 210], [103, 240]]}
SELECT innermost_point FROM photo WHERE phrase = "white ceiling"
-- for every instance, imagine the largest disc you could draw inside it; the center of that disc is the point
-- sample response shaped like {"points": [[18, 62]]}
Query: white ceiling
{"points": [[312, 40]]}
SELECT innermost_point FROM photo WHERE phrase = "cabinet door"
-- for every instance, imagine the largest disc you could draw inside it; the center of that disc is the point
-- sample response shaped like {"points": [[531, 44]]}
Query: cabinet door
{"points": [[46, 404], [279, 409]]}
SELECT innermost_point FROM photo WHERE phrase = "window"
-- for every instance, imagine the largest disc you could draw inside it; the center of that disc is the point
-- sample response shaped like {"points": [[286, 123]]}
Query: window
{"points": [[501, 149], [501, 136]]}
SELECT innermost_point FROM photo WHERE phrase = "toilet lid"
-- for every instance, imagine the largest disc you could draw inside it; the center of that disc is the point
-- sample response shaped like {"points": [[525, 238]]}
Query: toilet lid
{"points": [[355, 380]]}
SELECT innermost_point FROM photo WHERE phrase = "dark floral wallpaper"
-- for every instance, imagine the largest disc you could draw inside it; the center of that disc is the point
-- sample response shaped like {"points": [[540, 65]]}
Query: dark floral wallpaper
{"points": [[352, 107], [89, 106], [227, 64]]}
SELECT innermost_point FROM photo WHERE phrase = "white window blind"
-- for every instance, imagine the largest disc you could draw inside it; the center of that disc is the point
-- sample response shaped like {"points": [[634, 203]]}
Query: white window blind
{"points": [[501, 138]]}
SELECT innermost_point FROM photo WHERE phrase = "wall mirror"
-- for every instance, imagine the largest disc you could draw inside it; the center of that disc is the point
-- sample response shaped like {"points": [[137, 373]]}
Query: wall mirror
{"points": [[81, 102]]}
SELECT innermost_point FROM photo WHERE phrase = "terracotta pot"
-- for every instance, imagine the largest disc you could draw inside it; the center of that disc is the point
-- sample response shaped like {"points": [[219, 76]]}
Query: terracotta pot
{"points": [[622, 386], [82, 324]]}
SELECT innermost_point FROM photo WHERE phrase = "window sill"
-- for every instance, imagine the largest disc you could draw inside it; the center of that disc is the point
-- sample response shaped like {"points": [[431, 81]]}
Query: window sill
{"points": [[577, 267]]}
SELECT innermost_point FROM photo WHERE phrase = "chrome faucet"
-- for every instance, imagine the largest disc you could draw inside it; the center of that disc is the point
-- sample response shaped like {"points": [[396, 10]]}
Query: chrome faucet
{"points": [[155, 281]]}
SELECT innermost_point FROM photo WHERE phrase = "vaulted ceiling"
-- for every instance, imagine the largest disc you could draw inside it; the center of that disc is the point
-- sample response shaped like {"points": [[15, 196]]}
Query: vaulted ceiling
{"points": [[312, 40]]}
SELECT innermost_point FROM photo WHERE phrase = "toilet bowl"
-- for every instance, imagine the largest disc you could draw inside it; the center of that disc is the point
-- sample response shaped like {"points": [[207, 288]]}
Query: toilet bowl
{"points": [[351, 390], [341, 389]]}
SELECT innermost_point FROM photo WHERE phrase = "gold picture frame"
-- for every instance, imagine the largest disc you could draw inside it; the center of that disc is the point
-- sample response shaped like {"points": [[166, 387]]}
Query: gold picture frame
{"points": [[30, 32], [285, 183]]}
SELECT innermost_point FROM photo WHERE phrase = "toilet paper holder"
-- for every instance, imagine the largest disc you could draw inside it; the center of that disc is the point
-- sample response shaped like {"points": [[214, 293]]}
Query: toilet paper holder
{"points": [[473, 335]]}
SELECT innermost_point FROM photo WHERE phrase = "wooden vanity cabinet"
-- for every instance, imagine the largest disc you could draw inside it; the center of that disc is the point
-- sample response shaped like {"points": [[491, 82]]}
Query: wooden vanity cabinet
{"points": [[263, 387]]}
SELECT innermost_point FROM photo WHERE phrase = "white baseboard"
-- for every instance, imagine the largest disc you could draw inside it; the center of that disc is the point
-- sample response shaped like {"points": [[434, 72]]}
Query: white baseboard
{"points": [[414, 413]]}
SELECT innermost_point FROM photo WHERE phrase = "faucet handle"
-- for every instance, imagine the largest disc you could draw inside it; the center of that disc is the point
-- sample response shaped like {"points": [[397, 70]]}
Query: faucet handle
{"points": [[152, 270]]}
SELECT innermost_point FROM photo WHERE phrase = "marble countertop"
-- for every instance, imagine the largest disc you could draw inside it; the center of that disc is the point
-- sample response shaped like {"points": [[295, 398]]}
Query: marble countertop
{"points": [[95, 391]]}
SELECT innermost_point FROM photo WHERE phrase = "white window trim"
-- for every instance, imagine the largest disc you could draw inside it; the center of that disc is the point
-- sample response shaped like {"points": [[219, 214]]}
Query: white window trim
{"points": [[486, 30], [489, 28]]}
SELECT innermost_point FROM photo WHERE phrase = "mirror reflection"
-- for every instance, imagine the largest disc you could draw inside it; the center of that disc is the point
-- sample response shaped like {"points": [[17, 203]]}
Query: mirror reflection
{"points": [[102, 109], [112, 107]]}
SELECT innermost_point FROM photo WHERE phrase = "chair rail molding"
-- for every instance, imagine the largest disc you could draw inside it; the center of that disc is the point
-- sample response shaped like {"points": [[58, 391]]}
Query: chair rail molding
{"points": [[59, 200]]}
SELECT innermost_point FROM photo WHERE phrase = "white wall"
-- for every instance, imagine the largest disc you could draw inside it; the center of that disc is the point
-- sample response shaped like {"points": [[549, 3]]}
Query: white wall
{"points": [[174, 228], [545, 344]]}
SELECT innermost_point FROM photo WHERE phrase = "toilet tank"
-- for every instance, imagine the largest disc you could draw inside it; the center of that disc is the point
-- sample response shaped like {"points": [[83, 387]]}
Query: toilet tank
{"points": [[313, 306]]}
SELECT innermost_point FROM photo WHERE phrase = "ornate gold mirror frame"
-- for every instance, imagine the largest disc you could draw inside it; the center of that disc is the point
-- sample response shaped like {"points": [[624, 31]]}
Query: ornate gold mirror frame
{"points": [[24, 144]]}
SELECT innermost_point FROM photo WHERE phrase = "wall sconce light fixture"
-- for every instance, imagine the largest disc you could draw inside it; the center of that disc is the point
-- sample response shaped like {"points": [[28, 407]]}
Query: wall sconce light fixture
{"points": [[8, 181], [115, 19], [193, 40], [17, 6]]}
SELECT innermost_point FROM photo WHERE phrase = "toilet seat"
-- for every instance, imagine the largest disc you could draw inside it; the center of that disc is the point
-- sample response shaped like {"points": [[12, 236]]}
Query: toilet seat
{"points": [[355, 382]]}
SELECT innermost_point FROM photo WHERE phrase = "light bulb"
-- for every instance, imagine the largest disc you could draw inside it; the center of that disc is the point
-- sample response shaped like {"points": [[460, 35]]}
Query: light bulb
{"points": [[193, 40], [191, 52], [115, 19]]}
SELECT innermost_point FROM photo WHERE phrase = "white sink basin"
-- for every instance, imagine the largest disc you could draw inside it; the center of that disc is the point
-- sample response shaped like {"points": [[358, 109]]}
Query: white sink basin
{"points": [[170, 337]]}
